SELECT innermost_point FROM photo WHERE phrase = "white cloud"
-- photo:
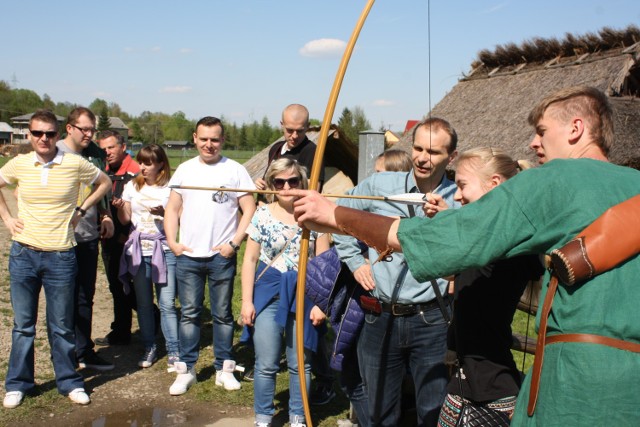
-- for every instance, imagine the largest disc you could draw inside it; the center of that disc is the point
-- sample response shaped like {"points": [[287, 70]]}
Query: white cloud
{"points": [[156, 49], [323, 48], [185, 50], [102, 95], [383, 103], [175, 89], [129, 49]]}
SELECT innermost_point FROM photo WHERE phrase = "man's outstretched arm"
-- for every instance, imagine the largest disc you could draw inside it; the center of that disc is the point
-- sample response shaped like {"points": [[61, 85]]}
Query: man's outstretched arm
{"points": [[318, 213]]}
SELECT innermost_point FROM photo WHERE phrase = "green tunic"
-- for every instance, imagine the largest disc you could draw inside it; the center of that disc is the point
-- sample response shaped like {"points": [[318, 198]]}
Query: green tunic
{"points": [[535, 212]]}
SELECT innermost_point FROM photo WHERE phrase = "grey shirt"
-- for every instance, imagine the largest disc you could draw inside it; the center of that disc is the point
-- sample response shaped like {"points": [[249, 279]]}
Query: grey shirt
{"points": [[88, 228]]}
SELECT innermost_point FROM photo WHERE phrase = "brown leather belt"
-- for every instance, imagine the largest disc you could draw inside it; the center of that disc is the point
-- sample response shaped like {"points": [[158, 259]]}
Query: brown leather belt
{"points": [[543, 340], [595, 339], [34, 248]]}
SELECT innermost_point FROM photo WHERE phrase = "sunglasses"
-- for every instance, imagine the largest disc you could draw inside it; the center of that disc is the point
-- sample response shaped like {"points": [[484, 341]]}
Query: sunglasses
{"points": [[279, 183], [40, 133]]}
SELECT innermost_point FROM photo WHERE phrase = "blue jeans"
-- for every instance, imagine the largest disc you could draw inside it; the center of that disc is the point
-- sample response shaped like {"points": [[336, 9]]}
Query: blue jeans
{"points": [[267, 341], [87, 258], [55, 272], [320, 366], [387, 345], [166, 293], [353, 386], [192, 274], [123, 304]]}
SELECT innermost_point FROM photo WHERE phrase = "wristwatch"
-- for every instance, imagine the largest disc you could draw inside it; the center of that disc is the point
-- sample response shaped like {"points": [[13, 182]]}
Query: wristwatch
{"points": [[235, 247], [83, 212]]}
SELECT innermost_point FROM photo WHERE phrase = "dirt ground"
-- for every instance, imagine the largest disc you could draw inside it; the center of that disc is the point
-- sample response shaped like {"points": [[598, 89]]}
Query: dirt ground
{"points": [[127, 395]]}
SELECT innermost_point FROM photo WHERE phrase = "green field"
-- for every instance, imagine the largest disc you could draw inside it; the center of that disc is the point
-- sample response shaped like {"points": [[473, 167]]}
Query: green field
{"points": [[179, 156]]}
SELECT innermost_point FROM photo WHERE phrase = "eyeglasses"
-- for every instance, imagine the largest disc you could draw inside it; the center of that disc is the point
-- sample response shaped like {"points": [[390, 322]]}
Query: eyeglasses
{"points": [[279, 183], [85, 130], [40, 133]]}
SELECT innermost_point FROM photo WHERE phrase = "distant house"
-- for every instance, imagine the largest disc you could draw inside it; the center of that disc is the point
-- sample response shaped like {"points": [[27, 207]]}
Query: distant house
{"points": [[177, 145], [21, 126], [410, 125], [490, 105], [340, 160], [116, 124], [6, 133], [390, 139]]}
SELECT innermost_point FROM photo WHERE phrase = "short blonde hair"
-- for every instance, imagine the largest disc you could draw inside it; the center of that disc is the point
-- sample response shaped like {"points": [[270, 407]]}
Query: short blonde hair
{"points": [[488, 161], [284, 165], [589, 103]]}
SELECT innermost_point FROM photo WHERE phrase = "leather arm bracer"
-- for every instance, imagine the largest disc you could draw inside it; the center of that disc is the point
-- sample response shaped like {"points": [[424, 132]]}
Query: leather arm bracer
{"points": [[608, 241], [372, 229]]}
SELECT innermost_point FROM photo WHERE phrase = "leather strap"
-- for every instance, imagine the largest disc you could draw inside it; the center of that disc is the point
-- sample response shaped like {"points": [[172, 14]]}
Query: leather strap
{"points": [[575, 338], [542, 335], [595, 339]]}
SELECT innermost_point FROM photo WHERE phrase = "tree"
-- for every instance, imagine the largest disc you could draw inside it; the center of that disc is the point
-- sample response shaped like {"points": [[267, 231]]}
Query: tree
{"points": [[178, 127], [104, 122], [345, 123], [352, 123], [98, 105], [48, 103]]}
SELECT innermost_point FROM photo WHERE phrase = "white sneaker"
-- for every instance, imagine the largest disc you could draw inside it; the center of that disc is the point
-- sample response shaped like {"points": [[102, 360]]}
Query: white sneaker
{"points": [[225, 377], [79, 396], [297, 421], [13, 399], [185, 379]]}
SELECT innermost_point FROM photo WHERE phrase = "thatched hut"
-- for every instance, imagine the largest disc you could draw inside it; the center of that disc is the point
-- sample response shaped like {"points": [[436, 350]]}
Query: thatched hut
{"points": [[490, 105], [340, 160]]}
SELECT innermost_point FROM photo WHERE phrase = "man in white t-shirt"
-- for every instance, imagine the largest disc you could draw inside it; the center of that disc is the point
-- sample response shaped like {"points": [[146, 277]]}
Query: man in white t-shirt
{"points": [[211, 232]]}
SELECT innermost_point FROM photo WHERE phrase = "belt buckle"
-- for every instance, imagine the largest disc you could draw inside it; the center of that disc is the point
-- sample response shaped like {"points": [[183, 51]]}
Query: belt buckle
{"points": [[397, 313]]}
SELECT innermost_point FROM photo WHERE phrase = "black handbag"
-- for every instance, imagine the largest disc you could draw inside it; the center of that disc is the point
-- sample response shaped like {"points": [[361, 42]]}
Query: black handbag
{"points": [[480, 416]]}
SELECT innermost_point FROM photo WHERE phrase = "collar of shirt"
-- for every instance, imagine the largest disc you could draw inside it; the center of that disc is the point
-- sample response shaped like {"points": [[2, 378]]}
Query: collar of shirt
{"points": [[444, 184], [57, 159]]}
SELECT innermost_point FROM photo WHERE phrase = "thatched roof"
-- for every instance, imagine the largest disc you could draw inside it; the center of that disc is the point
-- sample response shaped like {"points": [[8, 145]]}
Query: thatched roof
{"points": [[490, 106], [340, 155]]}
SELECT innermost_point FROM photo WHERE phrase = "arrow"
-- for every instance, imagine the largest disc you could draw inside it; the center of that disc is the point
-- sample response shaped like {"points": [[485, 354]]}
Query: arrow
{"points": [[405, 198]]}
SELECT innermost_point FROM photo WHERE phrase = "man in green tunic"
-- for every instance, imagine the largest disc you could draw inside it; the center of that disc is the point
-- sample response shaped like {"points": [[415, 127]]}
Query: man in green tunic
{"points": [[535, 212]]}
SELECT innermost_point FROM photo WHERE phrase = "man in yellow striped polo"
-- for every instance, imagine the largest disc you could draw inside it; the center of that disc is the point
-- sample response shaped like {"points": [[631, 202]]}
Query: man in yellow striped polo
{"points": [[42, 254]]}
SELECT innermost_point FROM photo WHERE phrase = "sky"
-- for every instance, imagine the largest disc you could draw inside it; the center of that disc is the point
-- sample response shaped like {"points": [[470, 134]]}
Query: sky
{"points": [[246, 60]]}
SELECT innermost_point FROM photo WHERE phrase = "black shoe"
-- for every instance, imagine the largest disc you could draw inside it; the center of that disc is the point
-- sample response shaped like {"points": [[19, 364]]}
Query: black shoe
{"points": [[322, 395], [112, 339], [93, 361], [248, 376]]}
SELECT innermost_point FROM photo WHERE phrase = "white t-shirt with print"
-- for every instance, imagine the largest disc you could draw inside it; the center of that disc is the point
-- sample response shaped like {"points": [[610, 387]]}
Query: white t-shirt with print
{"points": [[209, 218]]}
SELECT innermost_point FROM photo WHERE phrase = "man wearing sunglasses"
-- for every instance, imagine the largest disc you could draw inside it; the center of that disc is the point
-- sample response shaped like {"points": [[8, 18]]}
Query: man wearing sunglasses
{"points": [[42, 254], [96, 224]]}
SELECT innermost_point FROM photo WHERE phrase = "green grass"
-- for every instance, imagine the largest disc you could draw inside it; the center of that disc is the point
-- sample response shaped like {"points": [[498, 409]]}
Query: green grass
{"points": [[176, 157], [519, 325]]}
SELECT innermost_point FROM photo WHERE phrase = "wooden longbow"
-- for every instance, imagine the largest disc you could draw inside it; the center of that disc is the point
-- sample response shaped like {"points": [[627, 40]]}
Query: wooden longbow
{"points": [[313, 183]]}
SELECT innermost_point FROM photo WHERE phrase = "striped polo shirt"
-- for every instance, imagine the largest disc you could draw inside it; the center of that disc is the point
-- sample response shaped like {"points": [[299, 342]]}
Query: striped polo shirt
{"points": [[47, 197]]}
